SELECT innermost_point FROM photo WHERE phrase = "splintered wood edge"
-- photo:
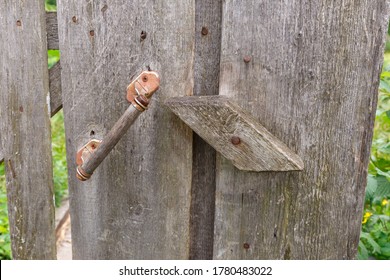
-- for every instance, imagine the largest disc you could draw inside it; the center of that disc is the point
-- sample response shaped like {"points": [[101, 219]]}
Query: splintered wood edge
{"points": [[261, 151]]}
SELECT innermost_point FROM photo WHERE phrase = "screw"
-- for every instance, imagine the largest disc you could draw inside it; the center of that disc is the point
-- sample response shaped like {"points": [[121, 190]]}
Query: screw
{"points": [[92, 33], [246, 246], [18, 23], [143, 35], [74, 19], [247, 59], [235, 140], [205, 31]]}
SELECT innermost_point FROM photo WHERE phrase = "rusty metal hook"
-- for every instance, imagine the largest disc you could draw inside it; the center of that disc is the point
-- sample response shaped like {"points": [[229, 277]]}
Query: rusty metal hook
{"points": [[89, 157]]}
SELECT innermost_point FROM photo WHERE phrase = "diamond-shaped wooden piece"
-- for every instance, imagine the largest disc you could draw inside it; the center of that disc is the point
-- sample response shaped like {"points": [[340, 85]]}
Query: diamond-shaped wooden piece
{"points": [[234, 133]]}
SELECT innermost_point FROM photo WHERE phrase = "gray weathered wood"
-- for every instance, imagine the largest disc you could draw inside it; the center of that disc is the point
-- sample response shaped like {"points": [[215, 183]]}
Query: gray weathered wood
{"points": [[312, 80], [25, 129], [206, 76], [52, 31], [55, 89], [136, 206], [218, 121]]}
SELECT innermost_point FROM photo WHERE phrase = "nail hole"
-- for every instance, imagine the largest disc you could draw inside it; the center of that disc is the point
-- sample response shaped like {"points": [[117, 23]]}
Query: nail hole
{"points": [[74, 19], [18, 23], [246, 246], [93, 146], [105, 7], [143, 35], [92, 133], [92, 33], [205, 31], [145, 79]]}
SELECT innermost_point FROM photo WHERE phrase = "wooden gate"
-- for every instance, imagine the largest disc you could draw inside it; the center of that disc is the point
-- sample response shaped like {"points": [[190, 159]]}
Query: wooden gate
{"points": [[307, 71]]}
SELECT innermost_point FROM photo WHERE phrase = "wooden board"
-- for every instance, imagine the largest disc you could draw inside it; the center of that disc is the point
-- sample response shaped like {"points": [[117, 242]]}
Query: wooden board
{"points": [[234, 133], [136, 206], [52, 31], [25, 129], [55, 89], [208, 18], [312, 81]]}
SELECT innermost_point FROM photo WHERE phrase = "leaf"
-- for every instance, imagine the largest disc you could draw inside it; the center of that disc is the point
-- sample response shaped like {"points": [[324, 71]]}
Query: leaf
{"points": [[362, 251], [375, 247], [384, 86], [371, 187], [383, 189]]}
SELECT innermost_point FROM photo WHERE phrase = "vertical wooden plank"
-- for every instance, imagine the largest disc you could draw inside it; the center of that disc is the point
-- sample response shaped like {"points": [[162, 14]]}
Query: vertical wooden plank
{"points": [[206, 76], [312, 80], [25, 129], [136, 206]]}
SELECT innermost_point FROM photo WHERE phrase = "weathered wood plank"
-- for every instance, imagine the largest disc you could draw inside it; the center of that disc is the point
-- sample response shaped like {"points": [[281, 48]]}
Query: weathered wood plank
{"points": [[54, 72], [25, 129], [311, 77], [234, 133], [52, 31], [136, 205], [208, 18], [55, 89]]}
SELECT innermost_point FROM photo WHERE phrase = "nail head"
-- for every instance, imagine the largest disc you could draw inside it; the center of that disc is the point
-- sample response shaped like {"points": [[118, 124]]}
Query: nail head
{"points": [[235, 140], [246, 246], [247, 59], [205, 31]]}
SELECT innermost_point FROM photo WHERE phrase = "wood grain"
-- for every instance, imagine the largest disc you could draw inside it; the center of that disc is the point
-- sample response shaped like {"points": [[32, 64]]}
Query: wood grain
{"points": [[52, 31], [312, 80], [25, 129], [206, 77], [54, 72], [136, 206], [234, 133], [55, 89]]}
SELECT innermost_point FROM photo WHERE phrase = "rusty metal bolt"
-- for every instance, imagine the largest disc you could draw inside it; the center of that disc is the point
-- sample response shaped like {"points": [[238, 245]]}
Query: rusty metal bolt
{"points": [[205, 31], [247, 59], [246, 246], [235, 140]]}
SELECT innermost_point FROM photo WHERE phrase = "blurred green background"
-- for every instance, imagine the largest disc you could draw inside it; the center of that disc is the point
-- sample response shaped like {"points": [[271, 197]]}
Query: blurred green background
{"points": [[375, 235]]}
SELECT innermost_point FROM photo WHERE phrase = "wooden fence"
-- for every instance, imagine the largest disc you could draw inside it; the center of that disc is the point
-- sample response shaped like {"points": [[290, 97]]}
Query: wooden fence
{"points": [[305, 70]]}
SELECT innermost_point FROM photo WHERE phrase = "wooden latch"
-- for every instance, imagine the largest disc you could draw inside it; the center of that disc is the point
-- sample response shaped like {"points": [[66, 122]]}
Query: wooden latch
{"points": [[234, 133]]}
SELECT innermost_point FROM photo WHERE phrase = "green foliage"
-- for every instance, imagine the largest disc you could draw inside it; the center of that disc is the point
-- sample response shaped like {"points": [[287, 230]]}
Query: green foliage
{"points": [[5, 244], [375, 236], [51, 5], [60, 170]]}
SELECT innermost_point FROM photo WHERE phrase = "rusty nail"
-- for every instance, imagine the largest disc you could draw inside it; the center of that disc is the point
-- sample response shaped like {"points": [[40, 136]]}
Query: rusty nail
{"points": [[92, 33], [235, 140], [145, 78], [247, 59], [246, 246], [18, 22], [143, 35], [205, 31], [74, 19]]}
